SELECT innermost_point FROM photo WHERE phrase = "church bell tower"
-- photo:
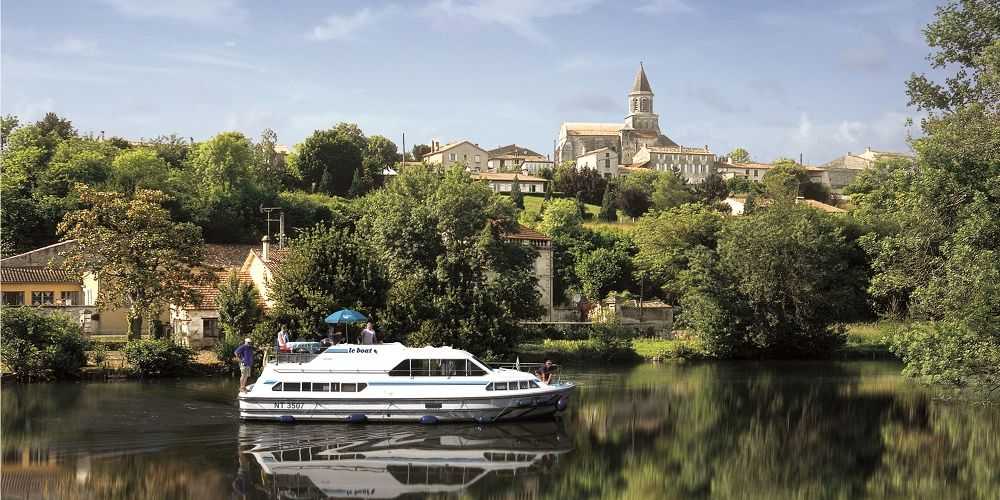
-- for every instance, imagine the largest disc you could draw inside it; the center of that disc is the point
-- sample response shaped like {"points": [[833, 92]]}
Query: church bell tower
{"points": [[640, 105]]}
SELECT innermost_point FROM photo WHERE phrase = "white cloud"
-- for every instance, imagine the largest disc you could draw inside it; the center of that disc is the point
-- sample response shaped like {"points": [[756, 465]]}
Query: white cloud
{"points": [[205, 12], [344, 27], [664, 7], [849, 131], [519, 16], [803, 133], [207, 59], [73, 46]]}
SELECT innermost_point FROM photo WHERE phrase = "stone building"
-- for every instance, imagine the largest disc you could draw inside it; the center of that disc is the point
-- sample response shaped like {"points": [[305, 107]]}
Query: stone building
{"points": [[603, 160], [502, 182], [843, 170], [514, 158], [544, 267], [462, 152], [640, 128], [693, 163]]}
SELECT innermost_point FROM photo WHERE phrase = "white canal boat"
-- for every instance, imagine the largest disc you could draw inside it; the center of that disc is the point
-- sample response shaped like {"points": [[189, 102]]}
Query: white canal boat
{"points": [[392, 382]]}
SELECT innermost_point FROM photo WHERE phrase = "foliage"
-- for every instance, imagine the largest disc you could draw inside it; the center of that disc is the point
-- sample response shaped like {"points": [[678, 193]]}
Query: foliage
{"points": [[664, 349], [739, 155], [608, 212], [452, 276], [326, 269], [41, 346], [239, 306], [419, 150], [633, 201], [560, 217], [670, 190], [515, 194], [380, 153], [603, 270], [328, 159], [156, 358], [586, 183], [738, 184], [711, 190], [224, 349], [142, 258], [305, 210], [774, 287]]}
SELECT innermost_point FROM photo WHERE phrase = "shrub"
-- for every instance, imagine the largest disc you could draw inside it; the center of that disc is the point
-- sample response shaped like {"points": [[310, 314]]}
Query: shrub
{"points": [[41, 346], [157, 357], [224, 351]]}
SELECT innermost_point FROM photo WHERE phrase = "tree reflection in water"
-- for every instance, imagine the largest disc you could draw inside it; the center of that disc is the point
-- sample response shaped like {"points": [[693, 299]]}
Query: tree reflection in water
{"points": [[712, 430]]}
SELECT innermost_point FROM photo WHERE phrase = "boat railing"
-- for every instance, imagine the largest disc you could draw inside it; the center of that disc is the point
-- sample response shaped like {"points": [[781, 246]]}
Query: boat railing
{"points": [[288, 357], [531, 368]]}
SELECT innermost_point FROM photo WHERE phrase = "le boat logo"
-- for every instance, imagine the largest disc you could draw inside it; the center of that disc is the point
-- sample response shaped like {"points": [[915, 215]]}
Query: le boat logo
{"points": [[353, 350]]}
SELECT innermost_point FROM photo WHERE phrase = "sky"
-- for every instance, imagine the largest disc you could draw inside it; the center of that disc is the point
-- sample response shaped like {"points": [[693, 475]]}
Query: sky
{"points": [[815, 78]]}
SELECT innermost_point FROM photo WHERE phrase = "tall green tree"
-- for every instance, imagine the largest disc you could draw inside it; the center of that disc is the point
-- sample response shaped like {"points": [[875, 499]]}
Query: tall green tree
{"points": [[142, 259], [670, 190], [328, 159], [239, 306], [7, 125], [515, 194], [712, 189], [936, 240], [609, 212], [739, 155], [633, 201], [380, 154]]}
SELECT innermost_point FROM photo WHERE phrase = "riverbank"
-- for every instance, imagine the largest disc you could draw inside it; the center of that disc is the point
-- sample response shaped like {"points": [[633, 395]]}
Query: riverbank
{"points": [[865, 341]]}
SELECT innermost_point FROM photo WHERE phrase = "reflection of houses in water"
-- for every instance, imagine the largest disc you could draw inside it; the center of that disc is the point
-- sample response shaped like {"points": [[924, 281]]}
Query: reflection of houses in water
{"points": [[389, 463], [38, 472]]}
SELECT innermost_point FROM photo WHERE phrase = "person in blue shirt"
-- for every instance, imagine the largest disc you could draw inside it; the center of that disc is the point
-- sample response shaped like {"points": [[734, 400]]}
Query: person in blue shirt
{"points": [[245, 354]]}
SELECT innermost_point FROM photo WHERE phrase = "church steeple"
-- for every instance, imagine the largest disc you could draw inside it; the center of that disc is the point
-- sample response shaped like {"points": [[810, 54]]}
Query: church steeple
{"points": [[641, 83], [640, 104]]}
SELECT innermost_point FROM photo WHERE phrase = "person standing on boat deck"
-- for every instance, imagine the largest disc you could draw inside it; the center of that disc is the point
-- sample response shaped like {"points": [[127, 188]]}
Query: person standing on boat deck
{"points": [[245, 354], [283, 340], [368, 335]]}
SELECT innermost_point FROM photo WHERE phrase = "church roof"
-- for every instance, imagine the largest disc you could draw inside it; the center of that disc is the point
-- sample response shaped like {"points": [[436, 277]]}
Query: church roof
{"points": [[589, 128], [512, 150], [678, 149], [599, 150], [641, 83]]}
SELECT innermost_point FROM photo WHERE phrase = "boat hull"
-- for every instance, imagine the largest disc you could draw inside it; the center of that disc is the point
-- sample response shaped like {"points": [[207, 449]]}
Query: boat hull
{"points": [[513, 406]]}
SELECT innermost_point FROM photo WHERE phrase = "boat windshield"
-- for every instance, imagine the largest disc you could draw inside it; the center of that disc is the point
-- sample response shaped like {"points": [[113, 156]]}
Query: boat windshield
{"points": [[482, 364]]}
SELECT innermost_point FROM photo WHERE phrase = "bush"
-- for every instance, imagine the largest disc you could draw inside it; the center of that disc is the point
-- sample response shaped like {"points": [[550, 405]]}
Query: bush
{"points": [[40, 346], [224, 351], [156, 358]]}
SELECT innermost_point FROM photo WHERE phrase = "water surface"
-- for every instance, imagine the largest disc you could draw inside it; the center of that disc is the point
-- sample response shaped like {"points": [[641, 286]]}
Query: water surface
{"points": [[713, 430]]}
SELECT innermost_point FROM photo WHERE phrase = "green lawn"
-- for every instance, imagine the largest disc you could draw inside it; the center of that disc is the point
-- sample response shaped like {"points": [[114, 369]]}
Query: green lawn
{"points": [[533, 203]]}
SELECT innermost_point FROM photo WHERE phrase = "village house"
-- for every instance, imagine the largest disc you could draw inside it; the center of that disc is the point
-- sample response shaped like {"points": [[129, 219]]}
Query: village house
{"points": [[693, 163], [603, 160], [502, 182], [756, 171], [514, 158], [842, 171], [473, 157], [543, 268]]}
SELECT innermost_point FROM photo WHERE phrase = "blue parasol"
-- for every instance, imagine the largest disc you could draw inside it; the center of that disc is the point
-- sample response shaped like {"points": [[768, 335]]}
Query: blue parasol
{"points": [[346, 316]]}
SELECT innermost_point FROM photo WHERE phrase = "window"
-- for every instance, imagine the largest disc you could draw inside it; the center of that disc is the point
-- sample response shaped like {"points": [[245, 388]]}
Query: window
{"points": [[756, 173], [500, 386], [533, 384], [321, 387], [292, 386], [70, 298], [533, 188], [42, 298], [523, 384], [352, 387], [401, 370], [475, 158], [277, 387], [210, 327], [13, 298], [452, 156]]}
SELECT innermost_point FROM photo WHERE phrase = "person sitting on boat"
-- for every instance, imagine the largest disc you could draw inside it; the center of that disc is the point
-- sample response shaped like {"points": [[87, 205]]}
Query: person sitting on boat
{"points": [[330, 338], [283, 340], [368, 335], [545, 371]]}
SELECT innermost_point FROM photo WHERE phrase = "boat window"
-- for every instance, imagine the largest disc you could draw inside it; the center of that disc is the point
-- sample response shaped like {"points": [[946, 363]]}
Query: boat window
{"points": [[277, 387], [475, 371], [500, 386], [401, 370], [534, 385], [334, 387], [489, 387], [453, 367], [348, 387], [435, 368], [420, 367], [523, 384], [321, 387], [292, 386], [306, 387], [362, 387]]}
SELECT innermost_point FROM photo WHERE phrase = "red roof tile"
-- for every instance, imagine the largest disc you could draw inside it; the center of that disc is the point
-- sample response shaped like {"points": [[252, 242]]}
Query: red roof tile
{"points": [[35, 275], [526, 233]]}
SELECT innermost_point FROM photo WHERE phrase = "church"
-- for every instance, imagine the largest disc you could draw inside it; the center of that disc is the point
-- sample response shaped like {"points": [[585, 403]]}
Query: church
{"points": [[641, 128]]}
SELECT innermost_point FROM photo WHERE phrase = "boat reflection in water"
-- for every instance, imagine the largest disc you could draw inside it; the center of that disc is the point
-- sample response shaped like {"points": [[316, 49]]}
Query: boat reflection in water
{"points": [[390, 461]]}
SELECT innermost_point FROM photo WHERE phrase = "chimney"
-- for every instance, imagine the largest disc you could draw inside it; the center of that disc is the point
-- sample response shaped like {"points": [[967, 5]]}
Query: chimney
{"points": [[435, 145], [266, 248]]}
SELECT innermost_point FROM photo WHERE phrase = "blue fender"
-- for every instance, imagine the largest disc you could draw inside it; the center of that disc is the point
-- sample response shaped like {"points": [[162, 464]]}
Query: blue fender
{"points": [[428, 420], [286, 419], [356, 418], [562, 404]]}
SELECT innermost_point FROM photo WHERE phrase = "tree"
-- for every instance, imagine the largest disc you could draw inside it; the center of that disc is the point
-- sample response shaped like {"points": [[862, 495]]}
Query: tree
{"points": [[239, 307], [608, 211], [52, 125], [712, 190], [939, 218], [419, 150], [739, 155], [7, 125], [328, 160], [773, 287], [603, 270], [561, 217], [515, 194], [670, 190], [173, 149], [586, 182], [453, 277], [633, 201], [357, 185], [137, 169], [380, 154], [142, 259], [783, 180], [269, 166]]}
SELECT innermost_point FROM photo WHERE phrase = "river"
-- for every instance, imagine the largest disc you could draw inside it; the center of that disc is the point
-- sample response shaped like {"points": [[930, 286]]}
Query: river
{"points": [[809, 430]]}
